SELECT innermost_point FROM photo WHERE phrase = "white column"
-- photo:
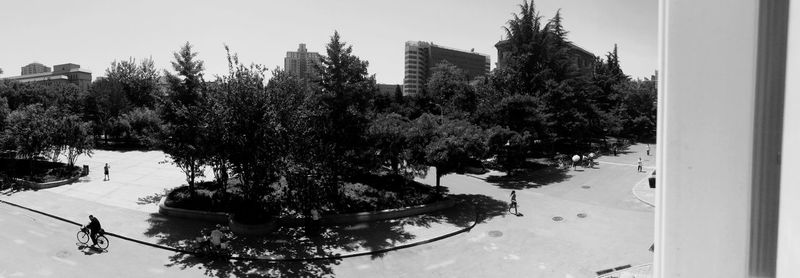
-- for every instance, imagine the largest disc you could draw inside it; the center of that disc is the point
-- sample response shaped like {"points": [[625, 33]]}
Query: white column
{"points": [[789, 217], [705, 137]]}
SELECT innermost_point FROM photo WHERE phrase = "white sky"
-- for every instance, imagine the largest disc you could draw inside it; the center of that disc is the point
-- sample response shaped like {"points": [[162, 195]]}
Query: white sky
{"points": [[95, 33]]}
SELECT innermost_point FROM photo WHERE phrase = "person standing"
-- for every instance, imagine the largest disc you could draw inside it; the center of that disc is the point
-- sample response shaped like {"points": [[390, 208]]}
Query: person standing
{"points": [[648, 149], [639, 168], [513, 202], [105, 172], [615, 150]]}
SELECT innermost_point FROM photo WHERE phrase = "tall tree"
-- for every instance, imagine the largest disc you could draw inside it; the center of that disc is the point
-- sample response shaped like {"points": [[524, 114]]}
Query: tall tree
{"points": [[183, 115], [345, 95]]}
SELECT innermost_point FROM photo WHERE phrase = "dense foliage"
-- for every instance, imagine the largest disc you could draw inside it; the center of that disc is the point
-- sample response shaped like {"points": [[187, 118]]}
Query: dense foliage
{"points": [[295, 143]]}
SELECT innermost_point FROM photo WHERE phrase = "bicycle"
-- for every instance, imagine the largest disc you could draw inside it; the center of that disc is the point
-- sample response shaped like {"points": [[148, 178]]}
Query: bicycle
{"points": [[84, 237]]}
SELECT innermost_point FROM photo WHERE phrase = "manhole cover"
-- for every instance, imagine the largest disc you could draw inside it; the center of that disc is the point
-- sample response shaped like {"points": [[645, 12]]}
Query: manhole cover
{"points": [[582, 215], [558, 218], [495, 233], [586, 187]]}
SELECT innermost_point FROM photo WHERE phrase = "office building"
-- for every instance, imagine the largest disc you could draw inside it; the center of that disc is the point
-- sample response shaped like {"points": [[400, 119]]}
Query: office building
{"points": [[302, 63], [63, 73], [34, 68], [421, 57], [388, 89], [582, 58]]}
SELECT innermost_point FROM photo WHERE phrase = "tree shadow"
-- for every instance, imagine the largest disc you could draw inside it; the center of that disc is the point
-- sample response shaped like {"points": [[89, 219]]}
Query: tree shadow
{"points": [[153, 198], [10, 187], [306, 254], [523, 179]]}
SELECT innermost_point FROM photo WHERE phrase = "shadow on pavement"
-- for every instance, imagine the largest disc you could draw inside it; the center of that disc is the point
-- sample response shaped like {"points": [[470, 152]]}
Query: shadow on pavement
{"points": [[317, 253], [523, 179], [153, 198]]}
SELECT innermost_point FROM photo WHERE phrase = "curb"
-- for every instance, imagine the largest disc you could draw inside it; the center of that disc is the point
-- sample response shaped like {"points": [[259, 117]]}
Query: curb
{"points": [[633, 190]]}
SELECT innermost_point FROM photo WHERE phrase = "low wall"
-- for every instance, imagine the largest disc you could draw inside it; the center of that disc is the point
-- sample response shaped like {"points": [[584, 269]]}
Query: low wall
{"points": [[353, 218], [216, 217], [339, 219], [37, 186]]}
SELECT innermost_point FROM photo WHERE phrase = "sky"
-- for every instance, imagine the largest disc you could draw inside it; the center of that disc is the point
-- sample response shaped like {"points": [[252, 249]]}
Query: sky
{"points": [[95, 33]]}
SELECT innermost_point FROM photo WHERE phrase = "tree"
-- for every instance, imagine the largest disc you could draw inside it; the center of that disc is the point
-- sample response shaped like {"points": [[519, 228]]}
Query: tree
{"points": [[72, 138], [450, 88], [182, 115], [508, 146], [344, 97], [251, 143], [387, 136], [139, 82], [450, 146], [398, 94], [142, 125], [538, 53], [30, 130], [105, 103]]}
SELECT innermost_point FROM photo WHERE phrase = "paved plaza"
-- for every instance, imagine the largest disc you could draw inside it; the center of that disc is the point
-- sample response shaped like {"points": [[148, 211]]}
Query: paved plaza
{"points": [[601, 225]]}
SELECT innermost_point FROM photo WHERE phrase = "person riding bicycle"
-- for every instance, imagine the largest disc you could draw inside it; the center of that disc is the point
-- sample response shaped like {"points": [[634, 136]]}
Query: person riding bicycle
{"points": [[94, 229]]}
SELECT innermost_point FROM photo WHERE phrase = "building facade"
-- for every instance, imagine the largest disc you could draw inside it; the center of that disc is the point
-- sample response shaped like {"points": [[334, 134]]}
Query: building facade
{"points": [[34, 68], [63, 73], [421, 57], [583, 59], [302, 63]]}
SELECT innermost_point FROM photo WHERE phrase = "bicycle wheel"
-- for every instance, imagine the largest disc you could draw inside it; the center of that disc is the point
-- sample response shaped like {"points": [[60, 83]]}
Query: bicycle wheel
{"points": [[83, 237], [102, 242]]}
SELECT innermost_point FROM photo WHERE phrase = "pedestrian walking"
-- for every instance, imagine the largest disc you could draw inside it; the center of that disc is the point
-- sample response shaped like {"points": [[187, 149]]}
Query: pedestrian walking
{"points": [[648, 149], [105, 171], [639, 168], [615, 150], [513, 202], [575, 159]]}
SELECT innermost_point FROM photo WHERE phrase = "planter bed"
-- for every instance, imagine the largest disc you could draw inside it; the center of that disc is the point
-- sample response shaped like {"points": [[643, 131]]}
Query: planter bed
{"points": [[338, 219]]}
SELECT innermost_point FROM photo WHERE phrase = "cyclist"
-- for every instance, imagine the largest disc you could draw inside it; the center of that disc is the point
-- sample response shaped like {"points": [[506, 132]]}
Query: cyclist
{"points": [[94, 229]]}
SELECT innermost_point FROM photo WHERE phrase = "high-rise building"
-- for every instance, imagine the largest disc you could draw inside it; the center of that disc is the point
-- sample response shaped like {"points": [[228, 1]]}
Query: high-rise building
{"points": [[302, 63], [582, 58], [421, 57], [34, 68], [64, 73]]}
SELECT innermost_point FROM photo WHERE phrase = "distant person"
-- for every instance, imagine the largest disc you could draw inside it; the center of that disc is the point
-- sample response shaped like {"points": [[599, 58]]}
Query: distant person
{"points": [[513, 202], [648, 149], [639, 168], [614, 149], [575, 159], [105, 172], [216, 237], [314, 226], [94, 229]]}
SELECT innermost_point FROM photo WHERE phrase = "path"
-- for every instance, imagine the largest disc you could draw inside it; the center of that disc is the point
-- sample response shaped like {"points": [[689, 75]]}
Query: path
{"points": [[616, 231]]}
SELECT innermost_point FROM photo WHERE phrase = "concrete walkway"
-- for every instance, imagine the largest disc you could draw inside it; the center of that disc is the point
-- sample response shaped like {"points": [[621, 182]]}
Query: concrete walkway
{"points": [[600, 225]]}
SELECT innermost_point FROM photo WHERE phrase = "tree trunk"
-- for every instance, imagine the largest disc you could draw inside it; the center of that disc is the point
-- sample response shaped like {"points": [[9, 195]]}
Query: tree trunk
{"points": [[438, 178]]}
